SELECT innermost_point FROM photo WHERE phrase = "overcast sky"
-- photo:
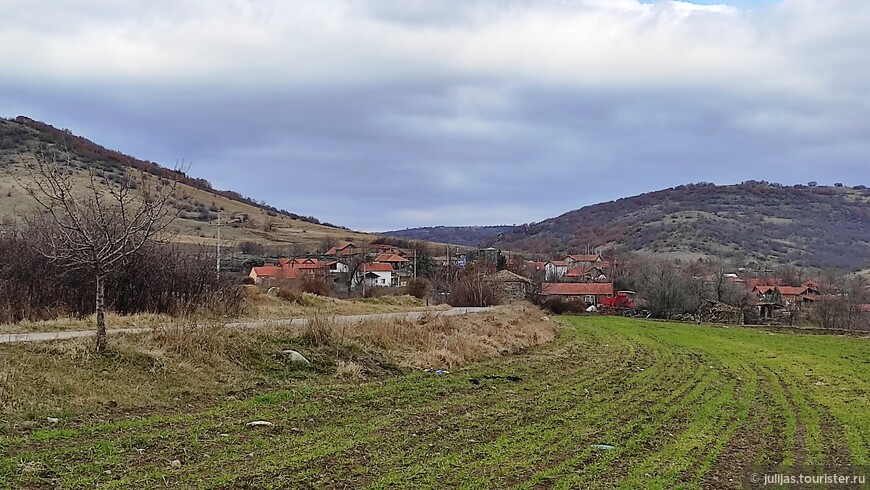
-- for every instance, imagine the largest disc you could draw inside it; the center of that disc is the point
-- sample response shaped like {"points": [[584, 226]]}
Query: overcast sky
{"points": [[381, 114]]}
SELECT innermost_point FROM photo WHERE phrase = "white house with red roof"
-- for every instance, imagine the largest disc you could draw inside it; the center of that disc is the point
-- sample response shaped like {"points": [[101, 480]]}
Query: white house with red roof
{"points": [[397, 261], [374, 274], [556, 270]]}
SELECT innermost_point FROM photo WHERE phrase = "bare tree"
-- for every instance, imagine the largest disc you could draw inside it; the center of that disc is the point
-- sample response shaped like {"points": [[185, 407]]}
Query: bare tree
{"points": [[93, 222], [355, 263], [667, 289]]}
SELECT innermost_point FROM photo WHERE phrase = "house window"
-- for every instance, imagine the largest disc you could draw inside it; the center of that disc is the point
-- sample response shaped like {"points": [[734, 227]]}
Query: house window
{"points": [[590, 299]]}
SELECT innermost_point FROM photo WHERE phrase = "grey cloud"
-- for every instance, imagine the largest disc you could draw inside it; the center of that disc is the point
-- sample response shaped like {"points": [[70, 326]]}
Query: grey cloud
{"points": [[396, 130]]}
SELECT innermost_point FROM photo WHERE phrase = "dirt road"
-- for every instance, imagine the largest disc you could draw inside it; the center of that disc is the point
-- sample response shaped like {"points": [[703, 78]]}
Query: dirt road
{"points": [[46, 336]]}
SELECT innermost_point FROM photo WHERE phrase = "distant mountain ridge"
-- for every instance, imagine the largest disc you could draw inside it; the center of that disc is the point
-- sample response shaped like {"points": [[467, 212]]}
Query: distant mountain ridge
{"points": [[809, 226], [471, 236]]}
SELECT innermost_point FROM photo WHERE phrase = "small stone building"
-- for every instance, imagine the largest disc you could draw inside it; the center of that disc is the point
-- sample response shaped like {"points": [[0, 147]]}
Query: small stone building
{"points": [[510, 287]]}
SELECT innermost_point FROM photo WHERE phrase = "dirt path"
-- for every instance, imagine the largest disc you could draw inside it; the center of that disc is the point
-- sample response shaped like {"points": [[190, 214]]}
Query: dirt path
{"points": [[63, 335]]}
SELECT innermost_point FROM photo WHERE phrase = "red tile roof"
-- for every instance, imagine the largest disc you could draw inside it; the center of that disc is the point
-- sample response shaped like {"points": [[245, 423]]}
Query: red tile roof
{"points": [[865, 308], [318, 265], [275, 272], [584, 258], [792, 290], [576, 289], [376, 267], [390, 258], [296, 262], [345, 249], [582, 271], [559, 263], [784, 290]]}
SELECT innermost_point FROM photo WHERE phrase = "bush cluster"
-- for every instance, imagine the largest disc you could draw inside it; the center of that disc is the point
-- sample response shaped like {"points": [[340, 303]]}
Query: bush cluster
{"points": [[160, 278]]}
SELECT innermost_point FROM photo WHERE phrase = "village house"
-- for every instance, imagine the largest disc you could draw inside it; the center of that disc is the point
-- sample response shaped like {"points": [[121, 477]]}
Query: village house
{"points": [[337, 267], [375, 274], [343, 250], [768, 299], [266, 274], [398, 262], [590, 293], [555, 270], [294, 269], [787, 296], [583, 261], [510, 287]]}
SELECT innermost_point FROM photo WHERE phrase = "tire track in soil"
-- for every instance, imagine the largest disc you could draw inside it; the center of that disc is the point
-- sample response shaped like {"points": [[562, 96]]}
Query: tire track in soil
{"points": [[679, 402], [565, 408], [626, 413], [740, 453], [799, 443], [427, 419], [835, 450]]}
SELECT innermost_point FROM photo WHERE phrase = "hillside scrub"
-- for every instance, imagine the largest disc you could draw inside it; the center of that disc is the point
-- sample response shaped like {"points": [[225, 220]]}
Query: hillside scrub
{"points": [[759, 221]]}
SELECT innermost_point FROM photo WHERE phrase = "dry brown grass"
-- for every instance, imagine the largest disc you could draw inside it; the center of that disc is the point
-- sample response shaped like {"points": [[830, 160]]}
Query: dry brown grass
{"points": [[171, 363], [441, 341], [177, 362], [146, 320], [433, 340], [260, 306], [302, 305]]}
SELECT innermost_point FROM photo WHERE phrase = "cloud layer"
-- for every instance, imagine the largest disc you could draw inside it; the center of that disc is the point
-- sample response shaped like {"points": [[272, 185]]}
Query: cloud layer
{"points": [[382, 114]]}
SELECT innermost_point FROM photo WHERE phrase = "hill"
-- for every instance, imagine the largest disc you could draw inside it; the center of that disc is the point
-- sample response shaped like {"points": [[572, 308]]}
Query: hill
{"points": [[471, 236], [246, 220], [808, 226]]}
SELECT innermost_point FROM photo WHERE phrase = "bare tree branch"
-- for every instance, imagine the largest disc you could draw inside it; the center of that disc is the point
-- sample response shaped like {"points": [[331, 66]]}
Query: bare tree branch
{"points": [[94, 223]]}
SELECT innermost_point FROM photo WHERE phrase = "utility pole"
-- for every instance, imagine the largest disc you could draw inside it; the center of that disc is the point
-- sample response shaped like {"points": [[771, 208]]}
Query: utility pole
{"points": [[415, 263], [219, 243]]}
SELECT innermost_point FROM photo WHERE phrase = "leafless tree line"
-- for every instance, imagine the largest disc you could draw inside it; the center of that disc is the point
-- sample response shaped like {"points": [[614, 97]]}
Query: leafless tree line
{"points": [[158, 278], [669, 289], [106, 232]]}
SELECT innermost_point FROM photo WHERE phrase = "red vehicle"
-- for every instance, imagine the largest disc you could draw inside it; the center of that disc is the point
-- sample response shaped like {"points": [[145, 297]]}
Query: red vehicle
{"points": [[622, 302]]}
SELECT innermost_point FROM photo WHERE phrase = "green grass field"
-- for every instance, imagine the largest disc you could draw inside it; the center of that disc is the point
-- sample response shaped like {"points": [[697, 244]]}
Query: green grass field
{"points": [[682, 405]]}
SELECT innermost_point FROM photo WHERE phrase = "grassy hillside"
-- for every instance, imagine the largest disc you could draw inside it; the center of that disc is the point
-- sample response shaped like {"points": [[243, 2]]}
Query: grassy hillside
{"points": [[198, 205], [470, 236], [807, 226], [682, 406]]}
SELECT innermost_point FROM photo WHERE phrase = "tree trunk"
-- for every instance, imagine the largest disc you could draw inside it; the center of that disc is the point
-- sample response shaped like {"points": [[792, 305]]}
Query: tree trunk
{"points": [[102, 341]]}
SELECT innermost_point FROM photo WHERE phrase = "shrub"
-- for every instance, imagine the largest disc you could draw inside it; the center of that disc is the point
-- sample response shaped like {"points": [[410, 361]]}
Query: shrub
{"points": [[161, 278], [288, 294], [319, 285], [419, 288], [560, 306], [472, 289]]}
